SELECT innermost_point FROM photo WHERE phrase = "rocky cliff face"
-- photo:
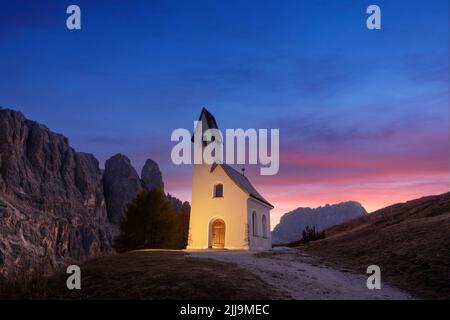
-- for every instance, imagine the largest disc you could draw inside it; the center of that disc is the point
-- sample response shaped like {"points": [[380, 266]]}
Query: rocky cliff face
{"points": [[121, 184], [293, 223], [151, 176], [51, 198], [56, 205]]}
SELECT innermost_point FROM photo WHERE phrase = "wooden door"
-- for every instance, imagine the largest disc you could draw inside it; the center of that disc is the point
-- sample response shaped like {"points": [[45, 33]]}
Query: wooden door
{"points": [[218, 234]]}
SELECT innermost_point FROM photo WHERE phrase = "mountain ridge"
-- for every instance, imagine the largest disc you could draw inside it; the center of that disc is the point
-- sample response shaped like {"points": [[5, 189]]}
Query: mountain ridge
{"points": [[294, 222], [53, 204]]}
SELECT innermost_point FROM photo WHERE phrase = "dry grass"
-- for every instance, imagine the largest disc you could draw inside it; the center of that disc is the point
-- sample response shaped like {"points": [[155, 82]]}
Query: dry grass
{"points": [[409, 241], [160, 275], [30, 282], [24, 286]]}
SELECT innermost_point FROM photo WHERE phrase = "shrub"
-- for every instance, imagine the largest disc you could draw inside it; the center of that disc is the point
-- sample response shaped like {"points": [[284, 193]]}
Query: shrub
{"points": [[310, 234], [150, 222], [184, 217]]}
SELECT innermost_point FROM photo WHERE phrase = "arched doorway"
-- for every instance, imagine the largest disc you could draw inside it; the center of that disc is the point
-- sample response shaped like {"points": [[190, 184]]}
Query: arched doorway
{"points": [[218, 234]]}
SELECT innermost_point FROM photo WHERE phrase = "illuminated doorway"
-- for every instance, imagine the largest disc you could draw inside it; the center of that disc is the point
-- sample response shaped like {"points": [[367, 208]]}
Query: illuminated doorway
{"points": [[218, 234]]}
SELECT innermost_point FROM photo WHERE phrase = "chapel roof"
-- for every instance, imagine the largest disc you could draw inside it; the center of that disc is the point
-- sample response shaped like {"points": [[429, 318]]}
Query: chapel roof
{"points": [[242, 182]]}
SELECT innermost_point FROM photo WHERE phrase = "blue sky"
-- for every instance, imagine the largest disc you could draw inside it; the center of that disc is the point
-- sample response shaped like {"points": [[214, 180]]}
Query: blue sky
{"points": [[337, 91]]}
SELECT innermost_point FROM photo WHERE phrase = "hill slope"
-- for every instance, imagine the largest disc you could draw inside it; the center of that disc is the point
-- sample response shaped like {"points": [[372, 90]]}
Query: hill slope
{"points": [[409, 241], [293, 223], [154, 275]]}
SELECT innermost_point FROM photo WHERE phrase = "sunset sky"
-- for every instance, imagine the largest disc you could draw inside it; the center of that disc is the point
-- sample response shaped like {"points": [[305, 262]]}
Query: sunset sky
{"points": [[363, 115]]}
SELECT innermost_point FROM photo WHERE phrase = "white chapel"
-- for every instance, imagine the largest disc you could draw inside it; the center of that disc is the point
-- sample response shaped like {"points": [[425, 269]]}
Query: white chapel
{"points": [[226, 210]]}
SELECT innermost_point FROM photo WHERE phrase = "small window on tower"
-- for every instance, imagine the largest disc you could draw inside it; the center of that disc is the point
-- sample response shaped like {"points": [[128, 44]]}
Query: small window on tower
{"points": [[218, 190]]}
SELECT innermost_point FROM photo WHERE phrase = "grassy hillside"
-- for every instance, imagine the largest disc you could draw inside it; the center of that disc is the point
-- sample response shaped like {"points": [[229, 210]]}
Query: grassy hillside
{"points": [[151, 275], [409, 241]]}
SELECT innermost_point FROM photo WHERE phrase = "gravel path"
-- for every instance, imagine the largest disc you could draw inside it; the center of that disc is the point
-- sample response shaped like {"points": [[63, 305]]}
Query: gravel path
{"points": [[300, 276]]}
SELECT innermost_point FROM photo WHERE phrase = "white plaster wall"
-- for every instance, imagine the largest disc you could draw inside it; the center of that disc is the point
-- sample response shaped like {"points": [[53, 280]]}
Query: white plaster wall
{"points": [[232, 209], [259, 242]]}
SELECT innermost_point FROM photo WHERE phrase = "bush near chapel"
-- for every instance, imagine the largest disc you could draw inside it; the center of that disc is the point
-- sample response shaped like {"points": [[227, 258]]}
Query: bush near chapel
{"points": [[150, 222], [310, 234]]}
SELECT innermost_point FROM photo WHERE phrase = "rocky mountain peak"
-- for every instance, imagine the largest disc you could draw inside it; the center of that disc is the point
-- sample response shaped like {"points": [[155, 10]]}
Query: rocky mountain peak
{"points": [[121, 184], [293, 223], [151, 176], [51, 198], [56, 204]]}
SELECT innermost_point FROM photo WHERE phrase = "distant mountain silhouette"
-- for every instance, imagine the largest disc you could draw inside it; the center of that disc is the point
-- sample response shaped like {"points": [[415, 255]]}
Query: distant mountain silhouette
{"points": [[293, 223]]}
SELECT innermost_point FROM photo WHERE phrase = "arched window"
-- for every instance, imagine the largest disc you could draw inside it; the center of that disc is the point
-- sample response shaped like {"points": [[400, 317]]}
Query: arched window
{"points": [[264, 226], [218, 190], [254, 224]]}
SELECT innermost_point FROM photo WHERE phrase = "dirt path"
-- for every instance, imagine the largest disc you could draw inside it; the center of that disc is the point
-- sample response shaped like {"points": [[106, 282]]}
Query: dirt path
{"points": [[300, 276], [204, 275]]}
